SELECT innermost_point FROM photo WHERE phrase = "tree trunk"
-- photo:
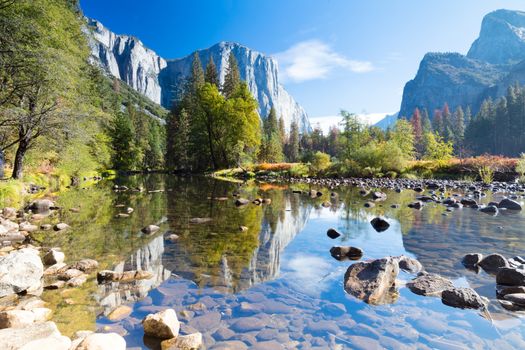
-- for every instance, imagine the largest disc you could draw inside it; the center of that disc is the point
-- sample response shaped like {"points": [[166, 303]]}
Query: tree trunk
{"points": [[19, 159], [2, 164]]}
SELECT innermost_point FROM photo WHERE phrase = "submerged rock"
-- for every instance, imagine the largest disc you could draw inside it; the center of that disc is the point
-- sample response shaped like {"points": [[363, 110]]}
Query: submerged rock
{"points": [[491, 209], [102, 341], [20, 271], [516, 298], [343, 253], [464, 298], [164, 324], [186, 342], [379, 224], [429, 284], [199, 220], [332, 233], [416, 205], [40, 205], [16, 338], [374, 281]]}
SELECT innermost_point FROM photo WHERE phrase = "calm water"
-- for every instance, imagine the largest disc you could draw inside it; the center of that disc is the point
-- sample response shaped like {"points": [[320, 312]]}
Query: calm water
{"points": [[275, 285]]}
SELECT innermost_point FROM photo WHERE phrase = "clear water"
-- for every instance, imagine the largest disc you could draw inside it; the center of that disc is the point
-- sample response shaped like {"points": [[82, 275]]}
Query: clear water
{"points": [[275, 285]]}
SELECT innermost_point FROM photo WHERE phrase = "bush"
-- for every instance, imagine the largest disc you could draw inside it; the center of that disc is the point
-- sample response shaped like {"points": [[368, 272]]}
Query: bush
{"points": [[298, 170], [486, 173], [520, 167], [320, 162]]}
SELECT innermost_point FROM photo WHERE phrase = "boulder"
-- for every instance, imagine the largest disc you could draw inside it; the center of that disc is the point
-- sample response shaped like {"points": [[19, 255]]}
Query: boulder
{"points": [[472, 259], [16, 318], [429, 284], [53, 256], [16, 338], [186, 342], [379, 224], [416, 205], [27, 227], [408, 264], [332, 233], [77, 281], [492, 262], [502, 290], [150, 229], [373, 281], [379, 196], [20, 271], [164, 324], [510, 276], [69, 274], [54, 342], [343, 253], [509, 204], [102, 341], [490, 209], [9, 212], [464, 298]]}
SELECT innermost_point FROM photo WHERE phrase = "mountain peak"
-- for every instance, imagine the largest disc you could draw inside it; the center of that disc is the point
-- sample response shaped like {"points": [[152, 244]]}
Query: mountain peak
{"points": [[501, 38]]}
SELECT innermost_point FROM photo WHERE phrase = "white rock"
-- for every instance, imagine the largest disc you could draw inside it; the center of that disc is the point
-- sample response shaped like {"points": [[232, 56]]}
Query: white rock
{"points": [[16, 318], [53, 342], [102, 341], [16, 338], [186, 342], [20, 271], [53, 256], [164, 324], [41, 314]]}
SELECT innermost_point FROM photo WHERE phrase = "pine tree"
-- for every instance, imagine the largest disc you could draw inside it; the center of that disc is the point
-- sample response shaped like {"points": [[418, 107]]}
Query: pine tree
{"points": [[211, 73], [232, 78], [468, 116], [197, 74], [282, 130], [418, 131], [122, 142], [425, 121], [293, 144], [448, 125], [437, 122]]}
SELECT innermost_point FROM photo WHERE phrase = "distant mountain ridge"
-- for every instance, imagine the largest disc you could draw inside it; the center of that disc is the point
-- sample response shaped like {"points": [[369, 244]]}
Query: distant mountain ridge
{"points": [[495, 60], [159, 79]]}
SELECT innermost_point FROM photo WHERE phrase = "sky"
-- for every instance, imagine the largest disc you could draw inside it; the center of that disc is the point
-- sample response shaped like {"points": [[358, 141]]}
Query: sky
{"points": [[332, 54]]}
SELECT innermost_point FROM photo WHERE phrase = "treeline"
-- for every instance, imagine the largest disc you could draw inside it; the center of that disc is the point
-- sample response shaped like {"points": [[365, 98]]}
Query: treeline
{"points": [[58, 113]]}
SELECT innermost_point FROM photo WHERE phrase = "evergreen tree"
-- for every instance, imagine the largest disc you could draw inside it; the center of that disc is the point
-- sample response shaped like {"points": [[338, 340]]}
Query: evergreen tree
{"points": [[197, 74], [459, 123], [282, 131], [122, 136], [468, 116], [232, 78], [425, 121], [437, 122], [293, 143], [211, 73], [418, 131]]}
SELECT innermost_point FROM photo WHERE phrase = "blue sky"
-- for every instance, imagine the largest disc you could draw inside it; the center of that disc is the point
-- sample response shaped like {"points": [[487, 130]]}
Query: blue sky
{"points": [[333, 54]]}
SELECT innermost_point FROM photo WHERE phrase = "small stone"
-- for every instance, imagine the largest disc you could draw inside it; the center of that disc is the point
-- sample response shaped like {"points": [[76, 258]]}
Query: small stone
{"points": [[332, 233], [53, 256], [164, 324], [472, 259], [516, 298], [510, 276], [491, 263], [102, 341], [379, 224], [416, 205], [85, 265], [243, 228], [509, 204], [343, 253], [119, 313], [241, 201], [408, 264], [150, 229], [172, 237], [61, 226], [429, 284], [69, 274], [491, 209], [77, 281], [369, 205], [46, 227], [41, 314]]}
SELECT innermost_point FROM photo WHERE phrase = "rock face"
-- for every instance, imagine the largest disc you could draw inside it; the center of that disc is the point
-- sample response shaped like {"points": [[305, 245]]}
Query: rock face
{"points": [[127, 58], [501, 39], [20, 271], [373, 281], [494, 62]]}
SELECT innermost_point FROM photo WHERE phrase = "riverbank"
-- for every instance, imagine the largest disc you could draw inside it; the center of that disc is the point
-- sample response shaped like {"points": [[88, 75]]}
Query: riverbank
{"points": [[483, 168]]}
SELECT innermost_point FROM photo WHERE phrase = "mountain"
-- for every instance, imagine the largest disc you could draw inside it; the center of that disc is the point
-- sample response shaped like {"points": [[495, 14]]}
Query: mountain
{"points": [[493, 62], [388, 121], [126, 58]]}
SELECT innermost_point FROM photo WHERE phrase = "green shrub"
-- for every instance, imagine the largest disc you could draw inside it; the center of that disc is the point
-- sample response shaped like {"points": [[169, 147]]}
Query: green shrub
{"points": [[486, 174], [298, 170], [320, 162]]}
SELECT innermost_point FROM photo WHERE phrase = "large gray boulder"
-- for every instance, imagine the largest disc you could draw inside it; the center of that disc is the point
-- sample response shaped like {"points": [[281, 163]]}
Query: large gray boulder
{"points": [[20, 271], [374, 281], [510, 276], [102, 341], [492, 262], [509, 204]]}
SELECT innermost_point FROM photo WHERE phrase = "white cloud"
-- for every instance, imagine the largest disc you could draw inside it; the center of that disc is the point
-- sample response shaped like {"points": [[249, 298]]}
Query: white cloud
{"points": [[313, 59], [325, 122]]}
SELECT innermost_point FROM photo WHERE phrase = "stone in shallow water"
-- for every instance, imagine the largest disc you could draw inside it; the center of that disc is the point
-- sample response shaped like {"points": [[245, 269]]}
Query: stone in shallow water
{"points": [[20, 270], [332, 233], [509, 204], [502, 290], [516, 298], [510, 276], [408, 264], [492, 262], [85, 265], [16, 338], [53, 342], [247, 324], [120, 312], [374, 281], [150, 229], [321, 328], [347, 252], [429, 284], [53, 256], [16, 318], [207, 322], [186, 342], [464, 298], [379, 224], [102, 341], [471, 259], [162, 325], [223, 334]]}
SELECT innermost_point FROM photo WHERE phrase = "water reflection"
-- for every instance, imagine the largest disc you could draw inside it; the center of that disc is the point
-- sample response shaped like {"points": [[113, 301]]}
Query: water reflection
{"points": [[276, 282]]}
